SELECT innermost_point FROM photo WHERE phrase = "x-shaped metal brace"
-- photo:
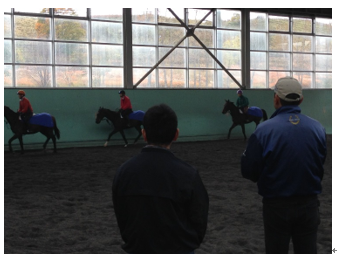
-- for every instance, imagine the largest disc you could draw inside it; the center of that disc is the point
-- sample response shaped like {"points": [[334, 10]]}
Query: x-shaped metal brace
{"points": [[189, 33]]}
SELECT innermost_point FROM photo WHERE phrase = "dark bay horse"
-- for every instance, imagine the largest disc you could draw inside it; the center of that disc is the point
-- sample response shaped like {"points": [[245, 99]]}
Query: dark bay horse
{"points": [[18, 128], [119, 124], [241, 119]]}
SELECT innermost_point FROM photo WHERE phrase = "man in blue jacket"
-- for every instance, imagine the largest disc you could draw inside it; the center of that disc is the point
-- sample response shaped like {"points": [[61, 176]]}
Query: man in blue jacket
{"points": [[160, 202], [285, 156]]}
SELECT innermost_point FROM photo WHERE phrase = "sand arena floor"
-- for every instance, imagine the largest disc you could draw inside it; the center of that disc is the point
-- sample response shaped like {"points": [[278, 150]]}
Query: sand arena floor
{"points": [[62, 203]]}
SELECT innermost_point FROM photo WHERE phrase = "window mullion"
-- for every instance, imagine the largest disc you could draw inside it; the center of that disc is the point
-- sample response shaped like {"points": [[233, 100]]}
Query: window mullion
{"points": [[13, 48], [90, 46], [52, 29]]}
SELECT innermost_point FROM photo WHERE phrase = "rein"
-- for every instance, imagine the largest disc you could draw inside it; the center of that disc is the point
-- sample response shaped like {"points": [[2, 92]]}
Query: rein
{"points": [[107, 120], [104, 118]]}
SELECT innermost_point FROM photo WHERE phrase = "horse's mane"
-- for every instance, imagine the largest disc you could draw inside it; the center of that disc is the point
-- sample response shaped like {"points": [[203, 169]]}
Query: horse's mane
{"points": [[107, 110], [232, 106], [108, 113]]}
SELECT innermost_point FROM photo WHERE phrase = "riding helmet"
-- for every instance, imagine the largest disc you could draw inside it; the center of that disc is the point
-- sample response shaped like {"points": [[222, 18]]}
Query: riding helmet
{"points": [[21, 92], [239, 91], [121, 92]]}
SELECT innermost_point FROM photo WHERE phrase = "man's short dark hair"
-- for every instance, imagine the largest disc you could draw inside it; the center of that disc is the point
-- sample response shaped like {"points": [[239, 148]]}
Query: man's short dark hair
{"points": [[160, 124]]}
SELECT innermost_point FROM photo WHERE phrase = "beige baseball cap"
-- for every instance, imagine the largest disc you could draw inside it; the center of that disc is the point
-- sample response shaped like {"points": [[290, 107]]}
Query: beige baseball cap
{"points": [[288, 85]]}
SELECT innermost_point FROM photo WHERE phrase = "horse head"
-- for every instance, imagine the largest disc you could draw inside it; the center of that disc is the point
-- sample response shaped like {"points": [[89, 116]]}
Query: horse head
{"points": [[228, 106], [99, 115], [10, 114]]}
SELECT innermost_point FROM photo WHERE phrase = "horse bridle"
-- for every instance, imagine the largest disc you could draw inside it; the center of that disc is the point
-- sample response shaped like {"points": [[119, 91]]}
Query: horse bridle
{"points": [[107, 120]]}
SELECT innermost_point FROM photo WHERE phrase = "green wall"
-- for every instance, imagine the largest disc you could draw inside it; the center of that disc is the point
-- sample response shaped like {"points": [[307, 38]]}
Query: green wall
{"points": [[199, 112]]}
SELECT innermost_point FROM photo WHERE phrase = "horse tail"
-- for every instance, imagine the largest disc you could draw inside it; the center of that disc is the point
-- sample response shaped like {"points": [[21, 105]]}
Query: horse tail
{"points": [[56, 130], [265, 117]]}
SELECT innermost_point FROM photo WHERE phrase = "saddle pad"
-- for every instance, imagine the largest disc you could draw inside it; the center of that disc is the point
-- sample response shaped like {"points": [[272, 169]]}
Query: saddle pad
{"points": [[137, 115], [255, 111], [43, 119]]}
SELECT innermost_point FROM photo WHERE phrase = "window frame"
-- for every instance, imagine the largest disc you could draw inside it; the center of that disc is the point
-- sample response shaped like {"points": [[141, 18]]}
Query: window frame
{"points": [[241, 73]]}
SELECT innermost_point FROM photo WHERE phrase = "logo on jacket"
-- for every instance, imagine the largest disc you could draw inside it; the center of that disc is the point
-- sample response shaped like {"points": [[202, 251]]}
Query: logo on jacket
{"points": [[295, 120]]}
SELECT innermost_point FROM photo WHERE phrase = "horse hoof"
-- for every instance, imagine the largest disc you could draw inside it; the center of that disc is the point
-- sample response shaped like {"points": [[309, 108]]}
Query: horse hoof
{"points": [[125, 145], [105, 144]]}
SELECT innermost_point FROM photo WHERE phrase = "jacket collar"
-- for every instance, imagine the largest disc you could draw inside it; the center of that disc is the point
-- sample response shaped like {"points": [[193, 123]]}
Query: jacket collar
{"points": [[149, 148], [287, 109]]}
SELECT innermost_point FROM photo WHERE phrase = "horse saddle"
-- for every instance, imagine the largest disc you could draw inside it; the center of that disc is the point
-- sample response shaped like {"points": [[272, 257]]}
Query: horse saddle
{"points": [[137, 115], [255, 111], [43, 119]]}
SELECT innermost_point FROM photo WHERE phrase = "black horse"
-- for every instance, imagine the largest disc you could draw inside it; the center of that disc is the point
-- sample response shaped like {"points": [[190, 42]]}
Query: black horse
{"points": [[241, 119], [119, 124], [19, 129]]}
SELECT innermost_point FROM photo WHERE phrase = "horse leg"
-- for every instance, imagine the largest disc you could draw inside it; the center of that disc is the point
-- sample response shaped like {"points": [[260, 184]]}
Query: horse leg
{"points": [[21, 143], [230, 130], [123, 135], [12, 139], [54, 142], [139, 130], [264, 113], [243, 130], [50, 135], [111, 134], [45, 144], [20, 140], [257, 121]]}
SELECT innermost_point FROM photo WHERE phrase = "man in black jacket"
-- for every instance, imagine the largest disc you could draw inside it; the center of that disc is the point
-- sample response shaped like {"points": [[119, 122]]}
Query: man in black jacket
{"points": [[160, 202]]}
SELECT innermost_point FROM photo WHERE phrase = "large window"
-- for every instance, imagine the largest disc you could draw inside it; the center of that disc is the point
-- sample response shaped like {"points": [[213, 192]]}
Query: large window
{"points": [[163, 48], [63, 47], [290, 46]]}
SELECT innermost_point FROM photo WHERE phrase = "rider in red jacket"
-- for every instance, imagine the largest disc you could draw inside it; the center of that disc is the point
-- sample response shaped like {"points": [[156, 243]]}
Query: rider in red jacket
{"points": [[126, 107], [25, 108]]}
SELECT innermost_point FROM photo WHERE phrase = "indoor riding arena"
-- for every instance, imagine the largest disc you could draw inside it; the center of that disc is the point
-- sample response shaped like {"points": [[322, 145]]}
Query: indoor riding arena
{"points": [[72, 62]]}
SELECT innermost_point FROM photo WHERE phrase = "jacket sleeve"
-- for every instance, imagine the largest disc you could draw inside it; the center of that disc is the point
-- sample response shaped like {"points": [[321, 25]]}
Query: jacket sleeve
{"points": [[198, 212], [252, 159]]}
